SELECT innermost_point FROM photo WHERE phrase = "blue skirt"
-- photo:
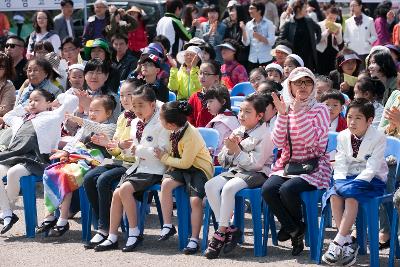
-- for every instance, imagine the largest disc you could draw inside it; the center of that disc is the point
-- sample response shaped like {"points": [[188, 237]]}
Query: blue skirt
{"points": [[354, 188]]}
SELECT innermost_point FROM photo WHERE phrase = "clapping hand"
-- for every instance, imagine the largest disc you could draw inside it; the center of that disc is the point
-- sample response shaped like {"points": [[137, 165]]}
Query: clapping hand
{"points": [[393, 116], [159, 153], [100, 139], [232, 144], [73, 118], [172, 61], [125, 144], [280, 105]]}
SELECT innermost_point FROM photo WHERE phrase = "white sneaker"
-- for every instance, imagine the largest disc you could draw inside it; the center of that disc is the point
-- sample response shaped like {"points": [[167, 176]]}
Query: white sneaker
{"points": [[350, 252], [334, 254]]}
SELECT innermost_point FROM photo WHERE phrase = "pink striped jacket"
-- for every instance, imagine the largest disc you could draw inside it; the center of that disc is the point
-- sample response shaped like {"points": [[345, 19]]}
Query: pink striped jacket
{"points": [[309, 135]]}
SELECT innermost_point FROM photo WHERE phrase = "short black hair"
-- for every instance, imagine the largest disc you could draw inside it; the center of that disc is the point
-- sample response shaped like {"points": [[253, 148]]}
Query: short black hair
{"points": [[333, 94], [97, 64], [220, 93], [259, 6], [163, 41], [176, 112], [108, 102], [257, 101], [267, 98], [268, 86], [260, 70], [372, 85], [146, 92], [46, 94], [214, 65], [213, 8], [44, 64], [364, 106], [65, 2], [119, 36], [15, 37], [172, 5], [71, 40], [43, 44]]}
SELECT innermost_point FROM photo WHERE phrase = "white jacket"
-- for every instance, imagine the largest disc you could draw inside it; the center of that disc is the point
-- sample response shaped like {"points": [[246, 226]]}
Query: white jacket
{"points": [[370, 161], [323, 43], [154, 135], [360, 38], [47, 124]]}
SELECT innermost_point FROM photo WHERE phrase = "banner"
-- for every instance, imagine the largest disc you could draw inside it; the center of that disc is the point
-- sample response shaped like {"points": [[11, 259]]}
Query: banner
{"points": [[29, 5]]}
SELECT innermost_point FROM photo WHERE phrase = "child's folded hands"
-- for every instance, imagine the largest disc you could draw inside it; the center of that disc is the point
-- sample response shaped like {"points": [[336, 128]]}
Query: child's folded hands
{"points": [[100, 139], [73, 118]]}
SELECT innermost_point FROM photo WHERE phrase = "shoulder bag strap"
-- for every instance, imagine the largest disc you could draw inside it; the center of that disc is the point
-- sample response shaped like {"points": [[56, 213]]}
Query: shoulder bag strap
{"points": [[289, 139]]}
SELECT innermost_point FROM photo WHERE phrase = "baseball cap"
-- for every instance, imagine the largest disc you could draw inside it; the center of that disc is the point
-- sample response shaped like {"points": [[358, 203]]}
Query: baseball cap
{"points": [[301, 72], [150, 58]]}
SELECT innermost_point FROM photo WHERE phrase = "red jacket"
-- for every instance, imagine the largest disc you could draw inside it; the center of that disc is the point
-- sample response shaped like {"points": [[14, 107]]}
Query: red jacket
{"points": [[200, 116], [342, 124], [137, 39]]}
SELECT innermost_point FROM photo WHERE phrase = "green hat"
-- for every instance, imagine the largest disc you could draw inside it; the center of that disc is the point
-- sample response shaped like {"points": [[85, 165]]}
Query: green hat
{"points": [[96, 43]]}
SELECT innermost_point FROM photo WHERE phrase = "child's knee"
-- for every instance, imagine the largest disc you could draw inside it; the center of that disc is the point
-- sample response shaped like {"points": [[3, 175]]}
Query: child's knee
{"points": [[336, 199], [396, 199], [196, 202], [168, 184], [126, 189]]}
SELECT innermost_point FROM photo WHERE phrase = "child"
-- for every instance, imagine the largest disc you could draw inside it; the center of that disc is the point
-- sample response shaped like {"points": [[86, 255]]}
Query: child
{"points": [[360, 173], [185, 81], [292, 61], [323, 84], [247, 154], [281, 51], [35, 132], [99, 181], [372, 90], [76, 77], [269, 87], [77, 157], [189, 163], [232, 71], [274, 72], [219, 105], [335, 101], [209, 75], [257, 76], [147, 134], [270, 109]]}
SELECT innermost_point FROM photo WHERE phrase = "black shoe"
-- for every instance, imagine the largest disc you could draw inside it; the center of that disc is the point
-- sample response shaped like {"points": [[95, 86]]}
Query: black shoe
{"points": [[232, 237], [6, 228], [172, 231], [384, 245], [189, 250], [109, 246], [91, 245], [45, 226], [283, 235], [214, 247], [297, 240], [130, 248], [1, 221], [58, 231]]}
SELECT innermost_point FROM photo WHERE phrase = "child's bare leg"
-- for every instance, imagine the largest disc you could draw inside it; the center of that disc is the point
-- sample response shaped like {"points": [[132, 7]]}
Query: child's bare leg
{"points": [[196, 216], [64, 209], [167, 186], [115, 212], [349, 216], [337, 205]]}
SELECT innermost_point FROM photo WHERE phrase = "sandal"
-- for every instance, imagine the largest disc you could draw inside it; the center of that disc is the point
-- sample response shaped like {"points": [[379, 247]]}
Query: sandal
{"points": [[130, 248], [58, 231], [172, 231], [45, 226], [109, 246]]}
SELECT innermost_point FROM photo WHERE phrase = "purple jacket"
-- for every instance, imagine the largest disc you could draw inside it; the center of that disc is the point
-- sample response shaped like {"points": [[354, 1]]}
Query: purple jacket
{"points": [[382, 31], [94, 29]]}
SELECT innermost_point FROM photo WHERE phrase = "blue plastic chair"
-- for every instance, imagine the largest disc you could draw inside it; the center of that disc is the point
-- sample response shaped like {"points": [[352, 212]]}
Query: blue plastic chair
{"points": [[368, 215], [237, 100], [171, 96], [394, 241], [242, 89], [235, 110], [210, 136]]}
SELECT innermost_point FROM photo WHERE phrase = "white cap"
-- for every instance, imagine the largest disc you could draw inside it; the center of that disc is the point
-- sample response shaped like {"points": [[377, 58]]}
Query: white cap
{"points": [[101, 2], [298, 59], [232, 3], [301, 72], [282, 48], [180, 57], [274, 66], [227, 45], [76, 67]]}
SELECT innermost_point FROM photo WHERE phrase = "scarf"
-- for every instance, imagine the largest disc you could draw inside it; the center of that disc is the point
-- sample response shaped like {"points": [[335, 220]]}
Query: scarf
{"points": [[202, 98], [139, 130], [29, 116], [358, 20], [29, 89], [175, 137], [355, 144], [129, 116]]}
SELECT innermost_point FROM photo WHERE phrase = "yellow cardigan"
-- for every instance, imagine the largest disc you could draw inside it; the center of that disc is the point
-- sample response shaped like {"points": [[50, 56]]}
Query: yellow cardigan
{"points": [[179, 81], [193, 152], [121, 133]]}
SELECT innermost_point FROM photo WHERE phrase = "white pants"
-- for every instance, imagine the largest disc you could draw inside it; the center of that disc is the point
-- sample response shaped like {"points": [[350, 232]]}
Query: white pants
{"points": [[10, 192], [223, 202]]}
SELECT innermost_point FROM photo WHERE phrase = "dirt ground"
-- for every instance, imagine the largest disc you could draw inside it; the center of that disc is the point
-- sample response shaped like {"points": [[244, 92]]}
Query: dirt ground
{"points": [[68, 250]]}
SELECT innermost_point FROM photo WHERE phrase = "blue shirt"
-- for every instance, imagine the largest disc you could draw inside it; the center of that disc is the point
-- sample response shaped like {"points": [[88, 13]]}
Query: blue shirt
{"points": [[260, 52]]}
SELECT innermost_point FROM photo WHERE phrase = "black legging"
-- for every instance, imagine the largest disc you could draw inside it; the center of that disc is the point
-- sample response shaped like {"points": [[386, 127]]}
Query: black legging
{"points": [[283, 197]]}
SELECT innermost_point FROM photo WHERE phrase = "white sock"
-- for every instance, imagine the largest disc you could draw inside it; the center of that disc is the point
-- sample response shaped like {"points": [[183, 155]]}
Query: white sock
{"points": [[340, 239], [349, 239], [166, 230], [97, 237], [7, 213], [50, 218], [62, 222], [192, 243], [113, 238], [133, 232]]}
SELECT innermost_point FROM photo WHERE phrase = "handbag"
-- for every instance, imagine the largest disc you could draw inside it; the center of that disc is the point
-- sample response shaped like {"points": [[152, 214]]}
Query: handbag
{"points": [[299, 167]]}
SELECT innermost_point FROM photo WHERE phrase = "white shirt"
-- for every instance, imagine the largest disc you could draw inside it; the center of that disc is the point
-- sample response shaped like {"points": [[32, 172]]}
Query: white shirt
{"points": [[360, 38], [69, 28]]}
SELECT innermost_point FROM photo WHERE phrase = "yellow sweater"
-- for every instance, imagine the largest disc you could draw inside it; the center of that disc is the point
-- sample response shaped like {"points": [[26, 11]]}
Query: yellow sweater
{"points": [[121, 133], [193, 152], [179, 81]]}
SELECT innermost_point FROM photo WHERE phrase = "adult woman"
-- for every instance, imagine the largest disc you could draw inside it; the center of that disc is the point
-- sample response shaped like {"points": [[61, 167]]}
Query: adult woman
{"points": [[301, 130], [43, 25], [137, 39], [331, 38], [314, 11], [190, 14], [7, 89], [303, 33], [40, 74], [381, 25], [381, 65]]}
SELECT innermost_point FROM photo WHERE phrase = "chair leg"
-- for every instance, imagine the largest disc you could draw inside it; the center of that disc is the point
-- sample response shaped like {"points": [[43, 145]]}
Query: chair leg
{"points": [[321, 234], [266, 227], [28, 186], [143, 211], [372, 211], [307, 233], [272, 226], [85, 215], [312, 225], [158, 206], [328, 217], [255, 203], [206, 223], [394, 250], [183, 213], [239, 216], [361, 233]]}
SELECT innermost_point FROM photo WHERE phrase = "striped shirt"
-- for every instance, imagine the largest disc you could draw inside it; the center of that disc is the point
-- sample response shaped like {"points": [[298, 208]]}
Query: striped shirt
{"points": [[309, 135]]}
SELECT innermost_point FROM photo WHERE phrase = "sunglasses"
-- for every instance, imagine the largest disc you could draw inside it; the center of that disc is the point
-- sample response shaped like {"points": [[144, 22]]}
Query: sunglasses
{"points": [[12, 45]]}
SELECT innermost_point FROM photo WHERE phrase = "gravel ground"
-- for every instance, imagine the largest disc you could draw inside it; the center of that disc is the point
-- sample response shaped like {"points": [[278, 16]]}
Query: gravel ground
{"points": [[68, 250]]}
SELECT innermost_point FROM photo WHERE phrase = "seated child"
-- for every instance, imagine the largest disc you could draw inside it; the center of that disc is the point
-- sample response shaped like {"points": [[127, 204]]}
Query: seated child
{"points": [[257, 76], [372, 90], [190, 165], [225, 121], [274, 72], [335, 101], [360, 173], [209, 75], [77, 157], [322, 85], [270, 109], [248, 155], [147, 135], [268, 86], [35, 133]]}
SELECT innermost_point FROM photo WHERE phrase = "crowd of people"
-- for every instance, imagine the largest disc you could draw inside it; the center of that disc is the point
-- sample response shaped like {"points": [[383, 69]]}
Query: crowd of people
{"points": [[97, 112]]}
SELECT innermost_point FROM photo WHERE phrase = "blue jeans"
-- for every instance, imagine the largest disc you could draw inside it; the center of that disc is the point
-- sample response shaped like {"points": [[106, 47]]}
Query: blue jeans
{"points": [[98, 184]]}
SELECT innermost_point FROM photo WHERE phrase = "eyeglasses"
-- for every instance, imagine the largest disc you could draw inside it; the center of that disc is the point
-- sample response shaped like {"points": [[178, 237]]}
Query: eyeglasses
{"points": [[12, 45], [206, 74], [307, 83]]}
